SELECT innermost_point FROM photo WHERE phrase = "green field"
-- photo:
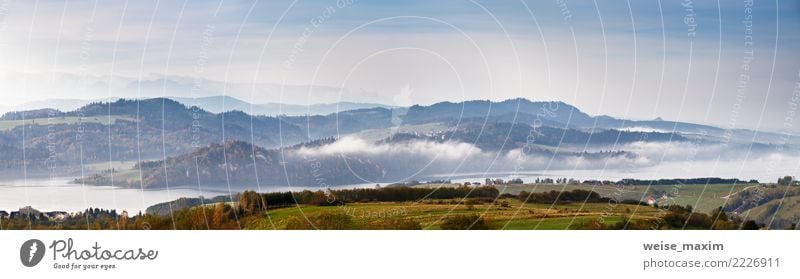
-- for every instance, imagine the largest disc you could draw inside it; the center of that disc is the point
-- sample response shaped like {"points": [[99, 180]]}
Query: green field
{"points": [[410, 208], [511, 213], [430, 215], [703, 198], [6, 125]]}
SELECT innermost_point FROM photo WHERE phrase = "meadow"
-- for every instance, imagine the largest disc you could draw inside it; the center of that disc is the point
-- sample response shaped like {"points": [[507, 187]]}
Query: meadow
{"points": [[508, 213], [702, 197], [449, 206], [513, 214]]}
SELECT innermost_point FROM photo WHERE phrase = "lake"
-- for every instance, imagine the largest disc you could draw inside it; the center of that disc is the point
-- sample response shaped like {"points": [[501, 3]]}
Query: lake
{"points": [[58, 194]]}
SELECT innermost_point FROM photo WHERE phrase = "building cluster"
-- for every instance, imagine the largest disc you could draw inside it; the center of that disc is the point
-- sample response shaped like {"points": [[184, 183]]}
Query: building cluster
{"points": [[496, 181]]}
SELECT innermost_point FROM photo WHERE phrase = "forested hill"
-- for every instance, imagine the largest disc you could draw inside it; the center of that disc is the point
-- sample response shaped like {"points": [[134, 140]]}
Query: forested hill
{"points": [[238, 163], [129, 130]]}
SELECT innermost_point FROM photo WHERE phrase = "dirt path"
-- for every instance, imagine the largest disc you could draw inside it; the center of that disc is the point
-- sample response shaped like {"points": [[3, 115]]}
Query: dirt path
{"points": [[742, 190]]}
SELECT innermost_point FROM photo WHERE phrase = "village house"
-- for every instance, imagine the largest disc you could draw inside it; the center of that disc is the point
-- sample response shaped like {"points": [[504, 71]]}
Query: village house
{"points": [[57, 215]]}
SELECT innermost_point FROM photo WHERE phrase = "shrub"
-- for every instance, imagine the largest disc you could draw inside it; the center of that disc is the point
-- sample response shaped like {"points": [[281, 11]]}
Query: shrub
{"points": [[470, 204], [464, 222], [750, 225], [394, 224], [576, 195]]}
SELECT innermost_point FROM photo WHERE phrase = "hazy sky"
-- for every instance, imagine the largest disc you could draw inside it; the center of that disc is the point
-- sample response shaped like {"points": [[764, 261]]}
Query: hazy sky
{"points": [[679, 60]]}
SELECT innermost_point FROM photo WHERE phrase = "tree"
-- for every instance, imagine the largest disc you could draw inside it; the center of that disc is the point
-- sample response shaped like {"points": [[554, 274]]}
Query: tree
{"points": [[251, 203], [199, 217], [786, 180], [123, 220], [219, 217], [719, 214]]}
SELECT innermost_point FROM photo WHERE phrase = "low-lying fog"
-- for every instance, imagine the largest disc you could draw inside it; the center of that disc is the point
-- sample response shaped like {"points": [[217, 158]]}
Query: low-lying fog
{"points": [[460, 162]]}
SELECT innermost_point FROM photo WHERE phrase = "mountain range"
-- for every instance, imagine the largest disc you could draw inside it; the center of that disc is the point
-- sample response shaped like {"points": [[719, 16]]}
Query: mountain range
{"points": [[177, 144], [215, 104], [105, 88]]}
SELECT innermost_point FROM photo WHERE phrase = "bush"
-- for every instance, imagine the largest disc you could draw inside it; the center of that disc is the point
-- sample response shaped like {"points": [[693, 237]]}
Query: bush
{"points": [[750, 225], [464, 222], [470, 204], [576, 195], [634, 202], [482, 200], [508, 196], [394, 224]]}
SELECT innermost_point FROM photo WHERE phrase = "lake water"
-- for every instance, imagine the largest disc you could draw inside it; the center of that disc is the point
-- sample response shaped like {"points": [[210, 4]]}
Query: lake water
{"points": [[59, 194]]}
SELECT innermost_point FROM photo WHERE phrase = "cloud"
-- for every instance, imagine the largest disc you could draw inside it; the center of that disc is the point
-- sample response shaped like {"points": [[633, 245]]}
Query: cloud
{"points": [[354, 146], [416, 159]]}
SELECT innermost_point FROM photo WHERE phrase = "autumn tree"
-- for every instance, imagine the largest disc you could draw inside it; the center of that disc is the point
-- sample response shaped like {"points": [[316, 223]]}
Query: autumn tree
{"points": [[123, 220], [251, 203], [219, 217], [719, 214]]}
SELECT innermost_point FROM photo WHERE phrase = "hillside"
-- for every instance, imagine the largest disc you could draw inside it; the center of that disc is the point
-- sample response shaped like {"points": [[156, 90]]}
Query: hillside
{"points": [[130, 130], [507, 136], [778, 213], [218, 104], [237, 163]]}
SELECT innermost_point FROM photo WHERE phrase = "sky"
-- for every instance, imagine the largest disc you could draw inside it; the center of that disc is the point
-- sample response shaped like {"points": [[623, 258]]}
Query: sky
{"points": [[732, 64]]}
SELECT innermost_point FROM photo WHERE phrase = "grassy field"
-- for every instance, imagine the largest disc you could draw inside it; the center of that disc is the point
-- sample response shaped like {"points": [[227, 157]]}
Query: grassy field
{"points": [[6, 125], [430, 214], [516, 215], [703, 198]]}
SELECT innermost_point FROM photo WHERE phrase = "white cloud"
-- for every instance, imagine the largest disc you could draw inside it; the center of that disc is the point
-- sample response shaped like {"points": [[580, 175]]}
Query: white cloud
{"points": [[679, 159]]}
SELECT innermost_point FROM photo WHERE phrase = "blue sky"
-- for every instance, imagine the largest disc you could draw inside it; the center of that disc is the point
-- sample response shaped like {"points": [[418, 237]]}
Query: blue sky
{"points": [[615, 57]]}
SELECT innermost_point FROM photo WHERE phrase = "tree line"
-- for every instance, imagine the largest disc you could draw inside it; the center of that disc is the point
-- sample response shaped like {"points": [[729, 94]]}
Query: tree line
{"points": [[385, 194], [576, 195]]}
